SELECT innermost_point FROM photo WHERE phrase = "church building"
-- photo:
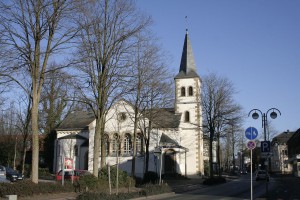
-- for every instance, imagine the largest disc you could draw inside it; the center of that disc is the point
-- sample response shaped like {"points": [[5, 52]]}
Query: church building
{"points": [[176, 144]]}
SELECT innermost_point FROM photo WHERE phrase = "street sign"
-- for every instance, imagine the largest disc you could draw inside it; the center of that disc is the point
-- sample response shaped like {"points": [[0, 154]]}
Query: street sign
{"points": [[251, 133], [251, 144], [266, 155], [265, 146]]}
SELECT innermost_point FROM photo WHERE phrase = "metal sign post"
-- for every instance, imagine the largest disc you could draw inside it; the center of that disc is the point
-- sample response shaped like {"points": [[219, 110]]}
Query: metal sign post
{"points": [[252, 134], [251, 175], [67, 165], [63, 171], [251, 145], [158, 153]]}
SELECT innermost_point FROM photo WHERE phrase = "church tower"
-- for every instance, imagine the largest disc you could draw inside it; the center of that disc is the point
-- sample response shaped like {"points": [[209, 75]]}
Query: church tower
{"points": [[188, 104]]}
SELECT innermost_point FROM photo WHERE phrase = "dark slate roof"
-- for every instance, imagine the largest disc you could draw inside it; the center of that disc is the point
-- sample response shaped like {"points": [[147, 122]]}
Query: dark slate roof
{"points": [[164, 117], [295, 135], [73, 136], [187, 65], [77, 120], [283, 137], [167, 141]]}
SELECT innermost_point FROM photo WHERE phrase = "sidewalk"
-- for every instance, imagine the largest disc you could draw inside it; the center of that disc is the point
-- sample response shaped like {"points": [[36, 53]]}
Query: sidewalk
{"points": [[184, 185], [58, 196]]}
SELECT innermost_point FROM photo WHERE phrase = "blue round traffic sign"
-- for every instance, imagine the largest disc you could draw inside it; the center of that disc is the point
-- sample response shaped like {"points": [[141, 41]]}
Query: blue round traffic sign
{"points": [[251, 133]]}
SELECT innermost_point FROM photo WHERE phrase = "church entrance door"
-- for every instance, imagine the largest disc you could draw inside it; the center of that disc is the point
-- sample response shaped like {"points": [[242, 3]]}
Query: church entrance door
{"points": [[170, 161]]}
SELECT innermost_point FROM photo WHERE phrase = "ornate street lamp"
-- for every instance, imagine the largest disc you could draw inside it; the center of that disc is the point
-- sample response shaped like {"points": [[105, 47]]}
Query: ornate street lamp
{"points": [[264, 116], [158, 153], [273, 115]]}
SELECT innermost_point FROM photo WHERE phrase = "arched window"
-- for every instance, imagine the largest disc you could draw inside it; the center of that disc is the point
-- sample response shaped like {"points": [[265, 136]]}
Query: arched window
{"points": [[190, 91], [127, 144], [139, 144], [182, 93], [116, 145], [75, 150], [106, 143], [187, 116]]}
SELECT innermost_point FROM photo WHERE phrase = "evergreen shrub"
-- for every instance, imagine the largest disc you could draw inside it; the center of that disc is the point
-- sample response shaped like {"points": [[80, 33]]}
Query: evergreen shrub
{"points": [[28, 188], [124, 180], [146, 190]]}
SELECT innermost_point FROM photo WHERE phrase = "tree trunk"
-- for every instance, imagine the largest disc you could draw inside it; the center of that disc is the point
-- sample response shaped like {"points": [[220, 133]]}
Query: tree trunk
{"points": [[218, 156], [147, 142], [134, 143], [103, 145], [211, 171], [233, 158], [23, 160], [97, 140], [35, 140]]}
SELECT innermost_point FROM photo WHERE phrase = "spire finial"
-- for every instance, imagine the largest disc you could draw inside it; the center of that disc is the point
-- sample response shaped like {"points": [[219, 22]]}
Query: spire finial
{"points": [[186, 23]]}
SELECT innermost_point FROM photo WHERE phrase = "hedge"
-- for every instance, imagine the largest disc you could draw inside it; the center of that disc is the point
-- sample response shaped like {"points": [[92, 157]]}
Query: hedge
{"points": [[28, 188]]}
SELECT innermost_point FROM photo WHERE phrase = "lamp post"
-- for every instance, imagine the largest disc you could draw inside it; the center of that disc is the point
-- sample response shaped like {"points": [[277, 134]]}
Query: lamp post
{"points": [[264, 117], [158, 153]]}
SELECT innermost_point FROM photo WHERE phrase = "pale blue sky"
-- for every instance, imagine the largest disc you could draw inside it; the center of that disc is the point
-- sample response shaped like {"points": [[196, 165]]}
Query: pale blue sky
{"points": [[254, 43]]}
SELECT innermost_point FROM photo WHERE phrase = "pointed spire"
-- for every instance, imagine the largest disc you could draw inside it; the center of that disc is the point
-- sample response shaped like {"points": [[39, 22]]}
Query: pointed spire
{"points": [[187, 65]]}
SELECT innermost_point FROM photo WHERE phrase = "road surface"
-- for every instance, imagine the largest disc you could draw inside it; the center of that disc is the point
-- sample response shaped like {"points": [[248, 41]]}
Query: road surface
{"points": [[235, 189]]}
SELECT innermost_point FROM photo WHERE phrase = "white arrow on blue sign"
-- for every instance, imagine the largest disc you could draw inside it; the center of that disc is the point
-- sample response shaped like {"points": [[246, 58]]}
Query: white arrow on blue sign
{"points": [[251, 133]]}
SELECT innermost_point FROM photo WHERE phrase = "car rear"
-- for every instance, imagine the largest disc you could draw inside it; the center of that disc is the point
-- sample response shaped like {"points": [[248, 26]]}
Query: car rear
{"points": [[262, 175]]}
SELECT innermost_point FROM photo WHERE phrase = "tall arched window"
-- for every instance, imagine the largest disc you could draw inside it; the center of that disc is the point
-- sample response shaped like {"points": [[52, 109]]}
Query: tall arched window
{"points": [[127, 144], [182, 93], [190, 91], [115, 144], [139, 144], [106, 143], [75, 150], [187, 116]]}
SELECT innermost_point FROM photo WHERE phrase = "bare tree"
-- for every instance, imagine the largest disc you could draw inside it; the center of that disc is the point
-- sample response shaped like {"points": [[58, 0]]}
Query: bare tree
{"points": [[106, 40], [11, 136], [149, 90], [219, 107], [32, 31], [24, 116], [56, 102], [232, 133]]}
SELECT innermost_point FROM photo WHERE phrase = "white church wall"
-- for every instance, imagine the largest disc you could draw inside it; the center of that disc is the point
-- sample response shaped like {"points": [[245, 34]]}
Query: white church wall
{"points": [[189, 140], [191, 133], [114, 120]]}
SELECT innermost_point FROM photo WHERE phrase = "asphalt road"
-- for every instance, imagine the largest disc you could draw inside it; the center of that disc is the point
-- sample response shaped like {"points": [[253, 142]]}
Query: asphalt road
{"points": [[279, 187]]}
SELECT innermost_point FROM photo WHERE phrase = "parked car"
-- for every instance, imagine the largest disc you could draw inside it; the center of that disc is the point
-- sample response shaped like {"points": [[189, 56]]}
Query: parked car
{"points": [[243, 171], [75, 174], [2, 171], [13, 175], [262, 175]]}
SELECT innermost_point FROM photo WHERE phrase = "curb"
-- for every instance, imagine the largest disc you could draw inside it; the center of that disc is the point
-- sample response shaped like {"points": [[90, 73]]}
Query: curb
{"points": [[153, 197]]}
